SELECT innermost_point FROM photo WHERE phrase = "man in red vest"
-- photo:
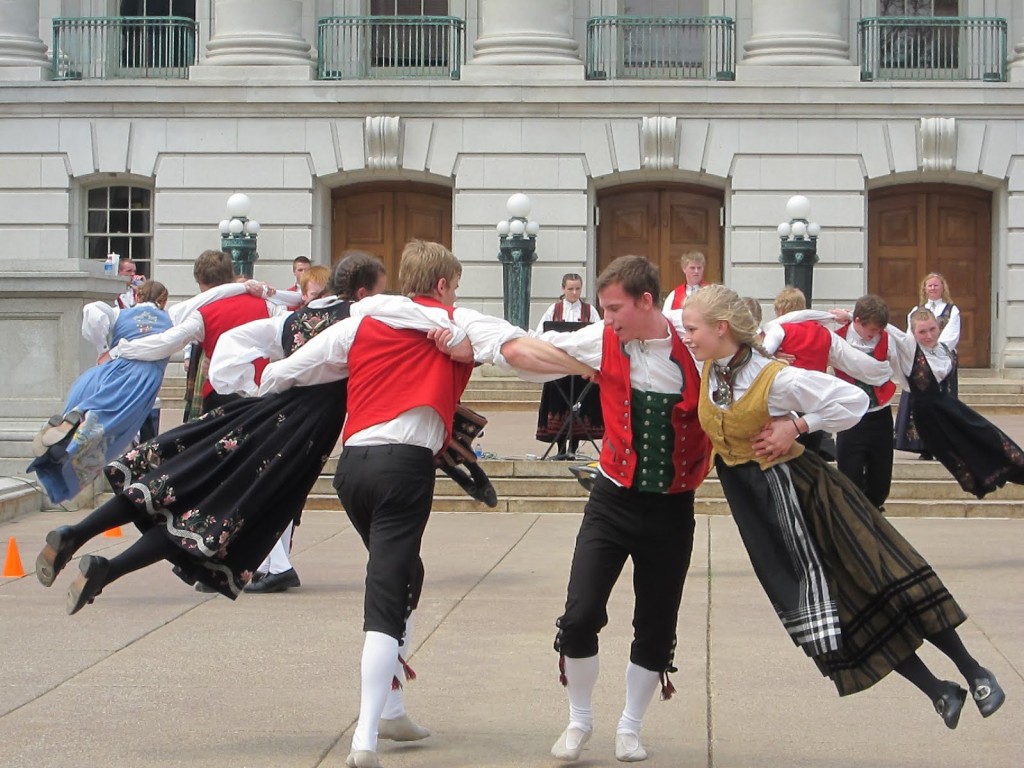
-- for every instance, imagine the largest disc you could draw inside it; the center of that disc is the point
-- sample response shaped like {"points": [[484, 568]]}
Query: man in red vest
{"points": [[402, 394], [653, 456], [693, 264], [797, 336], [864, 452], [205, 326]]}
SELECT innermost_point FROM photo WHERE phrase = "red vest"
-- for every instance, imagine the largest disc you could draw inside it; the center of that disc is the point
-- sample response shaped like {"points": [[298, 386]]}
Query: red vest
{"points": [[692, 447], [883, 394], [809, 342], [680, 295], [223, 315], [394, 370], [559, 312]]}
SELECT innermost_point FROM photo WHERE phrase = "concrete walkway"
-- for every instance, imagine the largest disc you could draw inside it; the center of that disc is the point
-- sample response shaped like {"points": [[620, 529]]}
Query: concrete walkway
{"points": [[156, 675]]}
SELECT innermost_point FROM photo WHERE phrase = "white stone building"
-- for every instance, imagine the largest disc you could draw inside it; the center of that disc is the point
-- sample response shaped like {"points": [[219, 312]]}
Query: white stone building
{"points": [[349, 128]]}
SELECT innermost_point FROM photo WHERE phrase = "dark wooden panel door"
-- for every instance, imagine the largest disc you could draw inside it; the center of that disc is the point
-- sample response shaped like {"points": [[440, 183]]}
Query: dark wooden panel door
{"points": [[917, 229], [381, 218], [661, 223]]}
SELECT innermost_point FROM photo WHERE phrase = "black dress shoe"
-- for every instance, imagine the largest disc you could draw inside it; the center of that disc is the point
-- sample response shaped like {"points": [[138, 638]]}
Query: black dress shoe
{"points": [[987, 693], [88, 584], [950, 703], [275, 582], [60, 547]]}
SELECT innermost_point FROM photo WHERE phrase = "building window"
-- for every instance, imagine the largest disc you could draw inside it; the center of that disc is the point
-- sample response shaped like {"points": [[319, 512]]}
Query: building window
{"points": [[412, 45], [918, 7], [920, 45], [119, 219], [162, 41], [181, 8]]}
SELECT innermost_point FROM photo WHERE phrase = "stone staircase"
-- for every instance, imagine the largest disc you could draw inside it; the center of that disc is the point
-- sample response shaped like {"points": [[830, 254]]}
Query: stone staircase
{"points": [[919, 489]]}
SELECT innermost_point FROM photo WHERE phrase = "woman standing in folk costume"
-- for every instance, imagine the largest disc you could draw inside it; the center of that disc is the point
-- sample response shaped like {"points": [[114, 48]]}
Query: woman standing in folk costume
{"points": [[934, 297], [849, 589], [214, 495], [559, 396]]}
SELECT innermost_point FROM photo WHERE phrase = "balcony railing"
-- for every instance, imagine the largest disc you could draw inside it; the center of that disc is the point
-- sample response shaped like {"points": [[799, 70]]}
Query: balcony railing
{"points": [[932, 48], [661, 48], [390, 47], [105, 48]]}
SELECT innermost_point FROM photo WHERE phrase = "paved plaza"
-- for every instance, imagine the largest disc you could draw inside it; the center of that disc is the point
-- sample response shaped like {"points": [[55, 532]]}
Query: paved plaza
{"points": [[157, 675]]}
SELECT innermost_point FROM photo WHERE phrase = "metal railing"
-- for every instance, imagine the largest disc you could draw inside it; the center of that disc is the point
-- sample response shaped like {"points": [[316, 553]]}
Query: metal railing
{"points": [[932, 48], [390, 47], [106, 48], [661, 48]]}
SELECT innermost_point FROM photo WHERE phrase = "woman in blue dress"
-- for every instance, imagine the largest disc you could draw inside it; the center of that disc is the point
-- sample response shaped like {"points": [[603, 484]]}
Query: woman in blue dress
{"points": [[106, 406]]}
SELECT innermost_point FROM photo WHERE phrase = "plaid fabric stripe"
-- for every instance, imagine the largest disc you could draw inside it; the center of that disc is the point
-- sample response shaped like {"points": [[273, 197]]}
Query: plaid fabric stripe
{"points": [[814, 623], [888, 596]]}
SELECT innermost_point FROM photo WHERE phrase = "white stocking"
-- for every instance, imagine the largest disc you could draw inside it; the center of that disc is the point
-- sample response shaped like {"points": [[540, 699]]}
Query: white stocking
{"points": [[378, 667], [582, 677], [395, 705], [640, 687]]}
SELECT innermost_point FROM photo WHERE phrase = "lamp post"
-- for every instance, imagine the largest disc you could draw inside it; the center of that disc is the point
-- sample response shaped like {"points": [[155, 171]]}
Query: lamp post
{"points": [[517, 251], [238, 235], [799, 245]]}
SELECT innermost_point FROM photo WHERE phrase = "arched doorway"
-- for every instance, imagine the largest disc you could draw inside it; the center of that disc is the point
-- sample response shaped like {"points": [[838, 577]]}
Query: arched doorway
{"points": [[380, 218], [914, 229], [661, 222]]}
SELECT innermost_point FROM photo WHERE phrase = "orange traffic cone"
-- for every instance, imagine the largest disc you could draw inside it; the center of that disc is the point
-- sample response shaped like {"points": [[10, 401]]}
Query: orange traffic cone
{"points": [[114, 533], [12, 566]]}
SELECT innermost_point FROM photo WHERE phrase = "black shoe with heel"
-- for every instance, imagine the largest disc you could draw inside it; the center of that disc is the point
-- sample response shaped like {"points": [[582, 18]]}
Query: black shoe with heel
{"points": [[88, 584], [950, 703], [59, 549], [987, 693]]}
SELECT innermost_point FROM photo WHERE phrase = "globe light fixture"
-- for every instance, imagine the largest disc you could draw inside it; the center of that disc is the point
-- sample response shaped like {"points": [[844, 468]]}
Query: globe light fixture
{"points": [[799, 245], [238, 235], [517, 250]]}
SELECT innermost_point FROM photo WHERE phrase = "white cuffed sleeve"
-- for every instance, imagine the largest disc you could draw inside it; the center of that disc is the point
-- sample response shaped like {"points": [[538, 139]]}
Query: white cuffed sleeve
{"points": [[827, 402]]}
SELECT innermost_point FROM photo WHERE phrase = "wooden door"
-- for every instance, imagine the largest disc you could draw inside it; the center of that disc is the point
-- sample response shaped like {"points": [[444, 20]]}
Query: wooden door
{"points": [[922, 228], [661, 223], [381, 218]]}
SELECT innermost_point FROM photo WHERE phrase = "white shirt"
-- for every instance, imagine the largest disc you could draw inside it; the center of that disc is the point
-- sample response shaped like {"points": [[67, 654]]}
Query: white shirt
{"points": [[826, 402], [325, 358], [950, 335], [572, 312], [938, 358]]}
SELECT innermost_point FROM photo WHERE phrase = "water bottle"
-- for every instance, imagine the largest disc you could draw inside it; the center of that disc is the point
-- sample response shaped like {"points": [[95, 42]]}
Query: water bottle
{"points": [[478, 449], [108, 266]]}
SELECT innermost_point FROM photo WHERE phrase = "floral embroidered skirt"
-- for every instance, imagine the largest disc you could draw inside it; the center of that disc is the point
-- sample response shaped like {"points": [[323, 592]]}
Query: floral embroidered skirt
{"points": [[224, 487]]}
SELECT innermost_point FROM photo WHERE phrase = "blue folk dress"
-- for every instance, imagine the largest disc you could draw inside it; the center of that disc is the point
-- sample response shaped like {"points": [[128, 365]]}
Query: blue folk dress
{"points": [[115, 399]]}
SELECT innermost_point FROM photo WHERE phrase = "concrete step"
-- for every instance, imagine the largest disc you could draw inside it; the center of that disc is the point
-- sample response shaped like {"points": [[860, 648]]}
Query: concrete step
{"points": [[19, 497]]}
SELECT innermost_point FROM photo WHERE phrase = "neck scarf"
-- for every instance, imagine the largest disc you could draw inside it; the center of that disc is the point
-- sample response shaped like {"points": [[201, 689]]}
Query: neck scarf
{"points": [[722, 395]]}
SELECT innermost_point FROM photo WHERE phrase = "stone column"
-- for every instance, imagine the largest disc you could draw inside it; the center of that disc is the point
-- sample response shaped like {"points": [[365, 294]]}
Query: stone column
{"points": [[525, 39], [800, 40], [1016, 68], [22, 53], [259, 39]]}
